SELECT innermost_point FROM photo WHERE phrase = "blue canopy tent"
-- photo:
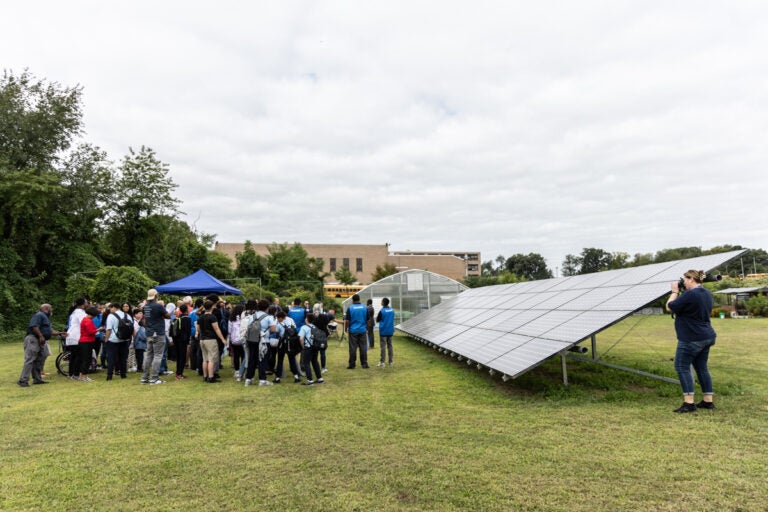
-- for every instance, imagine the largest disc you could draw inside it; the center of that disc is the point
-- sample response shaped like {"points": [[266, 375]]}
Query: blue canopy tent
{"points": [[199, 283]]}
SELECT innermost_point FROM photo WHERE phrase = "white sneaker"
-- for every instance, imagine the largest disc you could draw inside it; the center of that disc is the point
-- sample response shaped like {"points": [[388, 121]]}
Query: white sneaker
{"points": [[248, 382], [381, 364], [320, 381], [325, 370], [132, 369], [264, 383], [237, 376], [155, 382]]}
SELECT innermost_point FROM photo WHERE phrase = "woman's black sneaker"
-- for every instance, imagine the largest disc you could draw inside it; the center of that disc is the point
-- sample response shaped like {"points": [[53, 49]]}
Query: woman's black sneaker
{"points": [[705, 405], [686, 407]]}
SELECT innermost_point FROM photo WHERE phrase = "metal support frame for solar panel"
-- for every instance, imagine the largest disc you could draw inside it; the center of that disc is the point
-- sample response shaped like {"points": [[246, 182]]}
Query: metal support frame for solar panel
{"points": [[513, 328]]}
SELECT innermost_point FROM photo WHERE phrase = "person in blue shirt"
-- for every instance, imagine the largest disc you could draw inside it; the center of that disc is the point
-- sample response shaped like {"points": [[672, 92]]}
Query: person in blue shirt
{"points": [[297, 313], [309, 360], [695, 336], [39, 332], [356, 324], [386, 320]]}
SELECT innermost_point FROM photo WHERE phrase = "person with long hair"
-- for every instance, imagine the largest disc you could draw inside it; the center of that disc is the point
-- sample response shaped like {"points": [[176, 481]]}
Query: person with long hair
{"points": [[236, 349], [76, 315], [692, 307]]}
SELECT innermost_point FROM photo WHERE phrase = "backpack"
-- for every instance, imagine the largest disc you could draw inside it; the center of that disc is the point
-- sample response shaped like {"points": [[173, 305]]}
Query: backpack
{"points": [[175, 327], [319, 339], [291, 338], [242, 330], [124, 329], [253, 333]]}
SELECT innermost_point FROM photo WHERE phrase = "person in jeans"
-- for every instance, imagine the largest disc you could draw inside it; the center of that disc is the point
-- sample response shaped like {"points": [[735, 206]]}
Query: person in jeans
{"points": [[356, 324], [154, 326], [695, 336], [139, 340], [39, 332], [386, 320]]}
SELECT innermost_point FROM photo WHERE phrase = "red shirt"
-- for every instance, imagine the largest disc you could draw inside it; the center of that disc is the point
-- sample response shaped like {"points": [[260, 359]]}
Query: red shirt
{"points": [[87, 330]]}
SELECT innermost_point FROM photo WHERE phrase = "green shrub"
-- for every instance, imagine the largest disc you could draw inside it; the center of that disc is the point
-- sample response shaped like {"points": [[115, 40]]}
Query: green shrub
{"points": [[758, 306]]}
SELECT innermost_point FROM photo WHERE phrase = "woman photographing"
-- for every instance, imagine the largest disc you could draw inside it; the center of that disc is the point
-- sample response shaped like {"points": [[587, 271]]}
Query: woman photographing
{"points": [[695, 335]]}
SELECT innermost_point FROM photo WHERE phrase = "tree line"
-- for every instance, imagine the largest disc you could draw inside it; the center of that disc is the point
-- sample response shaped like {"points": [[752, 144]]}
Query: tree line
{"points": [[74, 222], [532, 266]]}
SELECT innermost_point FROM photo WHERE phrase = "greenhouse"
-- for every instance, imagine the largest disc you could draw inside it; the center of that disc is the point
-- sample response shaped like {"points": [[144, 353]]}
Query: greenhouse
{"points": [[410, 292]]}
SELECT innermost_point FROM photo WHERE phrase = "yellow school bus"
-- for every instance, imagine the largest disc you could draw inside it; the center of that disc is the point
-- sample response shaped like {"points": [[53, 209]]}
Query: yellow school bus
{"points": [[341, 291]]}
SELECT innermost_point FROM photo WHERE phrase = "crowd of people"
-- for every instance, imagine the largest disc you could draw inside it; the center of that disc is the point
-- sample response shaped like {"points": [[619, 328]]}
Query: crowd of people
{"points": [[257, 335]]}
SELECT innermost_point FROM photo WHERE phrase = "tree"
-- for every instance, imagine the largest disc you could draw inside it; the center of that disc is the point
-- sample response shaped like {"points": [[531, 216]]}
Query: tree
{"points": [[530, 266], [345, 276], [143, 199], [679, 253], [571, 265], [250, 264], [619, 260], [288, 264], [383, 271], [38, 122], [594, 260], [122, 284], [218, 265]]}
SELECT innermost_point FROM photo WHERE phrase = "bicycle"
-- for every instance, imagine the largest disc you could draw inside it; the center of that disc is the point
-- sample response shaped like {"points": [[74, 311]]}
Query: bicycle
{"points": [[64, 357], [62, 360]]}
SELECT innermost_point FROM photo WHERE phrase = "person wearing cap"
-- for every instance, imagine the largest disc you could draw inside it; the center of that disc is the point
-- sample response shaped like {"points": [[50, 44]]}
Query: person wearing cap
{"points": [[154, 325], [39, 332]]}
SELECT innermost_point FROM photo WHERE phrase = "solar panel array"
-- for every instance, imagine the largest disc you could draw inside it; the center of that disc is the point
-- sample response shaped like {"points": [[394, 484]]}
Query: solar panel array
{"points": [[512, 328]]}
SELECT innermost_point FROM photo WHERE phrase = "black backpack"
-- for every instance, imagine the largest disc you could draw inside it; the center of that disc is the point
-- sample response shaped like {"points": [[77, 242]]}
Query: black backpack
{"points": [[319, 339], [124, 329], [291, 339]]}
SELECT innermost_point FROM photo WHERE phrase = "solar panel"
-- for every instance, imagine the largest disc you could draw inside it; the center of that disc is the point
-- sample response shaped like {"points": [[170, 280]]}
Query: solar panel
{"points": [[513, 327]]}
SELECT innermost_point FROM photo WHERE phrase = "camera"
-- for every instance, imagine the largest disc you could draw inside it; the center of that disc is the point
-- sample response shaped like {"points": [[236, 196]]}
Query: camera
{"points": [[707, 279]]}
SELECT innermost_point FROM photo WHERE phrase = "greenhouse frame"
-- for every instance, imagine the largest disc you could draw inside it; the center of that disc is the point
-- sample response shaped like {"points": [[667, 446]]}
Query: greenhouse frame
{"points": [[410, 292]]}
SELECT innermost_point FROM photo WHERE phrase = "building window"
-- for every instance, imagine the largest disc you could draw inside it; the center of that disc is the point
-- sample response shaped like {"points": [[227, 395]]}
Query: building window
{"points": [[472, 268], [345, 262], [333, 264], [359, 264]]}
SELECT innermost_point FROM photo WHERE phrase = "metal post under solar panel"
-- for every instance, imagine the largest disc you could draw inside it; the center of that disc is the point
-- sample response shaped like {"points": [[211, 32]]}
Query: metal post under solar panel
{"points": [[624, 368], [565, 368]]}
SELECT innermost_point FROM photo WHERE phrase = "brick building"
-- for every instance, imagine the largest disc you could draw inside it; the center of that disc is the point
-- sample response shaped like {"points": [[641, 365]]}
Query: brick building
{"points": [[362, 260]]}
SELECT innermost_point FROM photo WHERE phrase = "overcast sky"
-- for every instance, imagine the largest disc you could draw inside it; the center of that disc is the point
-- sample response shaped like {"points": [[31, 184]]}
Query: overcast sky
{"points": [[502, 127]]}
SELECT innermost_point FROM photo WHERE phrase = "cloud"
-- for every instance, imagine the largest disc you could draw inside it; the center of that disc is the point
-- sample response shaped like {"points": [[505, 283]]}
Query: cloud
{"points": [[504, 127]]}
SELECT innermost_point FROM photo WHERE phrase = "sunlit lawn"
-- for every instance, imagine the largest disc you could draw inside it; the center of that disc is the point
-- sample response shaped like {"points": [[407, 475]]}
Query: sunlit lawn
{"points": [[429, 433]]}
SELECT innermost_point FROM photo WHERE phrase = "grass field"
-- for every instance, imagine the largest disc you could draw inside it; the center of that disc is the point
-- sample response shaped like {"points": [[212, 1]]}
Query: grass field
{"points": [[426, 434]]}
